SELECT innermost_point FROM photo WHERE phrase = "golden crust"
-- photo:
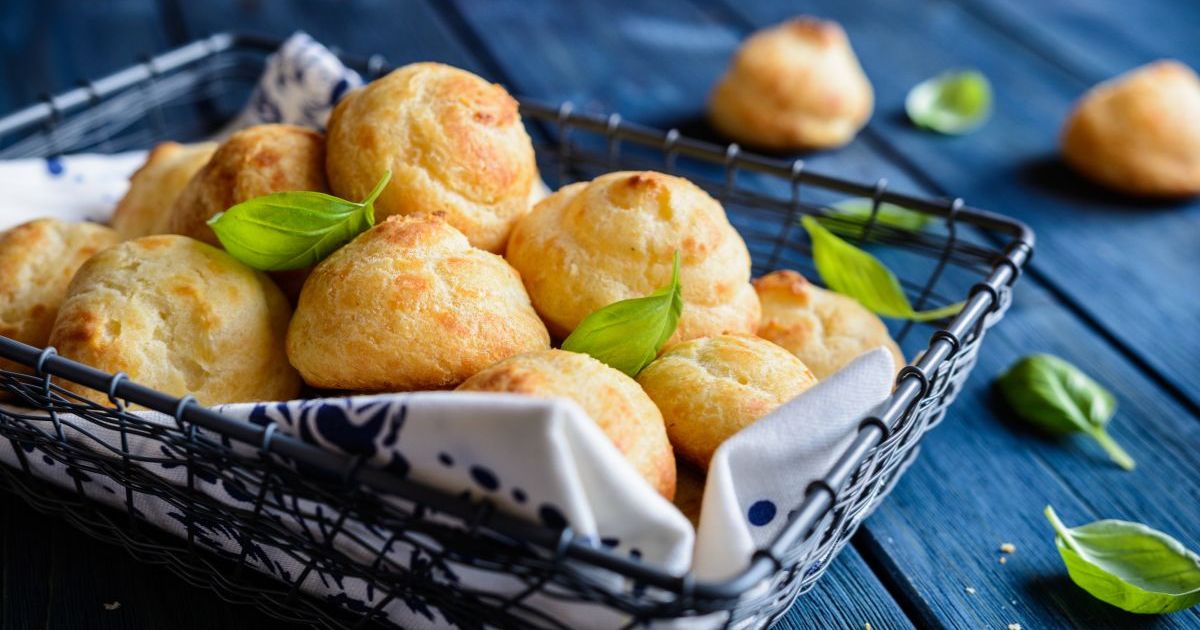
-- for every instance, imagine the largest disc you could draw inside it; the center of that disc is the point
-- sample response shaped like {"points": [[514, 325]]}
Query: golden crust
{"points": [[593, 243], [153, 188], [825, 329], [796, 85], [255, 161], [454, 143], [181, 317], [409, 305], [1140, 132], [37, 261], [710, 388], [613, 400]]}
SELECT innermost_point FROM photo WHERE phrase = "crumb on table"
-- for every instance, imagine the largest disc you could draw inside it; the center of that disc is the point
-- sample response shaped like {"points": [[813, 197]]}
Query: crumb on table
{"points": [[1007, 548]]}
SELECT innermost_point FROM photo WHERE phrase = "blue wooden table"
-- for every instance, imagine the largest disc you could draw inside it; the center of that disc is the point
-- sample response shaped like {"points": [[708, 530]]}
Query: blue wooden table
{"points": [[1113, 288]]}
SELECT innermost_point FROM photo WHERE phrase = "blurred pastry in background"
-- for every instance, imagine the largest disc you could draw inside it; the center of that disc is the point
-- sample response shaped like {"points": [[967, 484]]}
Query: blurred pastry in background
{"points": [[612, 400], [181, 317], [454, 143], [253, 162], [826, 330], [155, 186], [793, 86], [37, 261], [710, 388], [614, 238], [409, 305], [1139, 133]]}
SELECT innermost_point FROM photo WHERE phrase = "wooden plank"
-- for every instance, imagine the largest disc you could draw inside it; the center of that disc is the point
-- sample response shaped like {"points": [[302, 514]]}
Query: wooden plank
{"points": [[1083, 36], [47, 46], [976, 469], [403, 32], [847, 596], [1122, 263]]}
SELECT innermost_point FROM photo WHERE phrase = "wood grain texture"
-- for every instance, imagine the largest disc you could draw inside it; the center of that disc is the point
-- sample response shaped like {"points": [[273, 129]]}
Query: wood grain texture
{"points": [[981, 479], [46, 46], [1083, 37], [1142, 254], [1065, 473]]}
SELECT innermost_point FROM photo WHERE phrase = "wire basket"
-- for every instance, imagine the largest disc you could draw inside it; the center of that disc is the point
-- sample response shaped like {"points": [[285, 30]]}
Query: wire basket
{"points": [[188, 93]]}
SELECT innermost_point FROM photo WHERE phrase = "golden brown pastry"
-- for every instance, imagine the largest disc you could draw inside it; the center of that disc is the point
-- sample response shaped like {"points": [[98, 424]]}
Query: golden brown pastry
{"points": [[37, 261], [181, 317], [612, 399], [593, 243], [825, 329], [1140, 132], [153, 188], [454, 142], [409, 305], [793, 86], [710, 388], [253, 162]]}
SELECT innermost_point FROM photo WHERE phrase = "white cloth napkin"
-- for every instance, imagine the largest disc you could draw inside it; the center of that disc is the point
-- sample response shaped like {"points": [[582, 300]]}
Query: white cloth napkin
{"points": [[541, 459]]}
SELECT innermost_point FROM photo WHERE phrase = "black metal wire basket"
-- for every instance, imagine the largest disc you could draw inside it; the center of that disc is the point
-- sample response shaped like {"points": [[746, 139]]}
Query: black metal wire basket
{"points": [[188, 93]]}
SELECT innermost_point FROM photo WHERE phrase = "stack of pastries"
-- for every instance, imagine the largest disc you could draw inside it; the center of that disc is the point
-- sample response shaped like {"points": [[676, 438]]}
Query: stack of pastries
{"points": [[466, 280]]}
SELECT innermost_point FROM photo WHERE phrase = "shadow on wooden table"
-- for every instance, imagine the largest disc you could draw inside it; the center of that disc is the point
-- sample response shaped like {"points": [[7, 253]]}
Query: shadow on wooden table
{"points": [[1058, 591], [1050, 175]]}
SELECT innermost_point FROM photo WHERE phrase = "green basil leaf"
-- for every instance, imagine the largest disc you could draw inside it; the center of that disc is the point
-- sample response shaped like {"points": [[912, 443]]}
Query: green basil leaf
{"points": [[293, 230], [1058, 397], [953, 102], [853, 272], [849, 215], [627, 335], [1129, 565]]}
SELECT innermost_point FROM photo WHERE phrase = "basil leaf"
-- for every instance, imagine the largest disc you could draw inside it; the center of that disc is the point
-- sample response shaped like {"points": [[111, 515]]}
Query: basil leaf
{"points": [[1052, 394], [853, 272], [293, 230], [859, 210], [953, 102], [627, 335], [1129, 565]]}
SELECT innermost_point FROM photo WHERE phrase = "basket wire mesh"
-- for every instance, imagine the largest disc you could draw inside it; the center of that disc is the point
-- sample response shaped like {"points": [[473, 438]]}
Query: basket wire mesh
{"points": [[188, 93]]}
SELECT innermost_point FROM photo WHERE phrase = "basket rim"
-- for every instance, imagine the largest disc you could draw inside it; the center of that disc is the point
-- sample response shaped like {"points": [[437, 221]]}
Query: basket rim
{"points": [[911, 385]]}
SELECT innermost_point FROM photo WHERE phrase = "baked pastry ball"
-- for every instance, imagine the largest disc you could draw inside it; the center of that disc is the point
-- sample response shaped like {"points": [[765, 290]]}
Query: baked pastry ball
{"points": [[154, 187], [712, 387], [826, 330], [409, 305], [454, 143], [181, 317], [37, 261], [253, 162], [594, 243], [1140, 132], [612, 399], [793, 86]]}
